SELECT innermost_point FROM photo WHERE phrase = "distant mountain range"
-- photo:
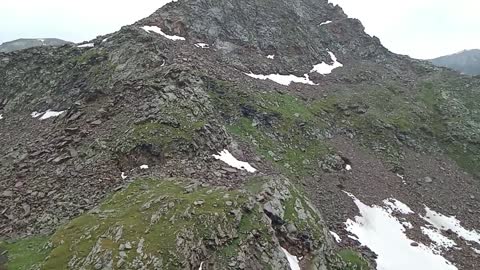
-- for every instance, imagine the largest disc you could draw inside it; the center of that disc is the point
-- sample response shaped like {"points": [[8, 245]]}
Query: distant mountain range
{"points": [[466, 62], [25, 43]]}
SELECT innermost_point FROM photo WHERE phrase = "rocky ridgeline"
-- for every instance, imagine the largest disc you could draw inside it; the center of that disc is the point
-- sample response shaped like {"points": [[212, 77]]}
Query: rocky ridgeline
{"points": [[124, 176]]}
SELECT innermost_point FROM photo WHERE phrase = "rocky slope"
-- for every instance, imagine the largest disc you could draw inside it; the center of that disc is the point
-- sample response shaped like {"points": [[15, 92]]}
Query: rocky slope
{"points": [[25, 43], [465, 62], [171, 91]]}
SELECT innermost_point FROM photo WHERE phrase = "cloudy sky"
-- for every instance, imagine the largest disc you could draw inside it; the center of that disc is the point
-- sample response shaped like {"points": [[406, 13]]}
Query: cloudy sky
{"points": [[419, 28]]}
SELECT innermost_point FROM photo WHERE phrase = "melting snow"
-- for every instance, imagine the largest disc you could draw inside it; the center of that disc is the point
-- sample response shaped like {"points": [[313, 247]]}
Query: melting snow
{"points": [[407, 225], [282, 79], [445, 223], [324, 68], [292, 260], [324, 23], [377, 229], [157, 30], [336, 236], [88, 45], [144, 167], [271, 56], [202, 45], [397, 206], [49, 114], [440, 241], [226, 157]]}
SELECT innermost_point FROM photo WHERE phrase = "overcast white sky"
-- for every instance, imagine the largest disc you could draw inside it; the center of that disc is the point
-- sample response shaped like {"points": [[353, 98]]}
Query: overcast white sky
{"points": [[419, 28]]}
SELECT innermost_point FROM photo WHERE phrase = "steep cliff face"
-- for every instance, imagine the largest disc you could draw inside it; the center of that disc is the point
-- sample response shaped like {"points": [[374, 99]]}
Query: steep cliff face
{"points": [[108, 148]]}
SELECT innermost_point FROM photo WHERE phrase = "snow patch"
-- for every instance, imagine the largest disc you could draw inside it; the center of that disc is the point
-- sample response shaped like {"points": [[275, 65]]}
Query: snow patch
{"points": [[407, 225], [201, 266], [292, 260], [88, 45], [124, 176], [202, 45], [157, 30], [325, 23], [395, 205], [476, 250], [440, 242], [348, 167], [445, 223], [271, 56], [286, 80], [324, 68], [384, 234], [228, 158], [35, 114], [1, 116], [282, 79], [336, 236], [50, 114], [144, 167]]}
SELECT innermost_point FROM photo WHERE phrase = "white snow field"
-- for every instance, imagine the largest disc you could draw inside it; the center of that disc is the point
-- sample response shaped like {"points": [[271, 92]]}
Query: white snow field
{"points": [[384, 234], [322, 68], [282, 79], [47, 114], [228, 158], [156, 29], [444, 223], [88, 45]]}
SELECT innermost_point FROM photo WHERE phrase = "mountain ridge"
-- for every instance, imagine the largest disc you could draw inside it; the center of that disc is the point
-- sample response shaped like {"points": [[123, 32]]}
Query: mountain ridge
{"points": [[25, 43], [465, 62]]}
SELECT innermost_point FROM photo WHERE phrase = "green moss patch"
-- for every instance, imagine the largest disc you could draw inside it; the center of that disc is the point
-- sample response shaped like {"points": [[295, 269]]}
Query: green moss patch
{"points": [[25, 254], [354, 260]]}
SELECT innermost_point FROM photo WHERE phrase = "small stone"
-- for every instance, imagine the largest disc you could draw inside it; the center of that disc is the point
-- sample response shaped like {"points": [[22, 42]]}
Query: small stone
{"points": [[97, 122], [122, 247], [199, 203], [7, 193], [428, 179], [414, 244], [128, 246], [291, 228], [229, 170], [98, 266], [228, 203]]}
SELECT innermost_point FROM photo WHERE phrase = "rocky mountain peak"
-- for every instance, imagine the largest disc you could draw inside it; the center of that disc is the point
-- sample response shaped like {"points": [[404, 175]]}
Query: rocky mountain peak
{"points": [[298, 33]]}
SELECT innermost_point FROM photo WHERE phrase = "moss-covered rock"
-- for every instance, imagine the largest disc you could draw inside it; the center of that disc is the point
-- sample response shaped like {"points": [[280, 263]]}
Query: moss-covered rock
{"points": [[180, 224]]}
